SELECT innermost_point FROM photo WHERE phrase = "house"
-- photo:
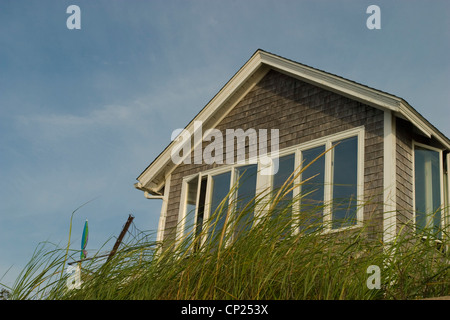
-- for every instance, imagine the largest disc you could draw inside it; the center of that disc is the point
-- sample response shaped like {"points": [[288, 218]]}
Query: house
{"points": [[383, 151]]}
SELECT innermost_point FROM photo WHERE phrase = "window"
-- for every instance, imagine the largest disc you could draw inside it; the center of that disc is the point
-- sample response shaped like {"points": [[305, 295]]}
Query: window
{"points": [[331, 183], [312, 188], [191, 221], [326, 193], [345, 182], [282, 194], [427, 188], [220, 186], [286, 166]]}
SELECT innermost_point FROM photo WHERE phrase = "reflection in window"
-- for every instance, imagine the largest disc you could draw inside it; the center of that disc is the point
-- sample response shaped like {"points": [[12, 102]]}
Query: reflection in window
{"points": [[427, 189], [312, 188], [219, 203], [245, 202], [345, 169], [286, 166]]}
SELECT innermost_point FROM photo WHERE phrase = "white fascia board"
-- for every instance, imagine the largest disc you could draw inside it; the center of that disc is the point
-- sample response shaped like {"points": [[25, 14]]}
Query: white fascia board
{"points": [[411, 116], [334, 83]]}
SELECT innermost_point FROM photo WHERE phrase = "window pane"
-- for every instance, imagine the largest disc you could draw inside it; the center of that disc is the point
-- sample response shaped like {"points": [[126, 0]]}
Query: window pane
{"points": [[220, 190], [191, 201], [201, 206], [345, 169], [286, 166], [245, 196], [427, 189], [312, 188]]}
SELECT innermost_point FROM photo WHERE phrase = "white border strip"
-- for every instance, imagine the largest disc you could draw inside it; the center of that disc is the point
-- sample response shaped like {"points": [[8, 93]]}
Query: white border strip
{"points": [[163, 214], [389, 178]]}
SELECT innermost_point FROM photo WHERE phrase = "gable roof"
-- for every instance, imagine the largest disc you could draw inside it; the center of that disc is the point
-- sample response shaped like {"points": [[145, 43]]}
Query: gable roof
{"points": [[152, 179]]}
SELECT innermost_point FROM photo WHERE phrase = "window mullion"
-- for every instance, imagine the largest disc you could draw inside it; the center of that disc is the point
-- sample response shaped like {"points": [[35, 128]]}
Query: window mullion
{"points": [[263, 186], [296, 205], [328, 188]]}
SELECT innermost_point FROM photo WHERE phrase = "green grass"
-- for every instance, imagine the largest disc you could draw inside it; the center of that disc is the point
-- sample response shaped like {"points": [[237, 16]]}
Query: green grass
{"points": [[268, 261], [263, 263]]}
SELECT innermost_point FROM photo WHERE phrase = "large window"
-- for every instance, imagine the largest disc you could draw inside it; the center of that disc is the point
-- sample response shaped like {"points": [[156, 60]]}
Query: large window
{"points": [[428, 188], [328, 183], [345, 182]]}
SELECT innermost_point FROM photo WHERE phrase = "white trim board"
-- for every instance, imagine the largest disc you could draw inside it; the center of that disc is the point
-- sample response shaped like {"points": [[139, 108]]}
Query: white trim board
{"points": [[163, 213], [389, 178], [441, 180]]}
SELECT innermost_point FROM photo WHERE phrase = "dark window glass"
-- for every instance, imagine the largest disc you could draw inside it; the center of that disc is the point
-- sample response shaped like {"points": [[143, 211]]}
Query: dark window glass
{"points": [[312, 188], [219, 203], [345, 169], [427, 189], [246, 191]]}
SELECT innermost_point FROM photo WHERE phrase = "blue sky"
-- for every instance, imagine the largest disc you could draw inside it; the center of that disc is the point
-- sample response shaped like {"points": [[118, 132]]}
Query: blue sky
{"points": [[83, 112]]}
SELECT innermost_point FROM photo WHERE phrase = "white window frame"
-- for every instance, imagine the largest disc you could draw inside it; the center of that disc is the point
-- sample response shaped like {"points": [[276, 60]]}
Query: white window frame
{"points": [[327, 142], [208, 197], [359, 176], [441, 181], [183, 205], [264, 182]]}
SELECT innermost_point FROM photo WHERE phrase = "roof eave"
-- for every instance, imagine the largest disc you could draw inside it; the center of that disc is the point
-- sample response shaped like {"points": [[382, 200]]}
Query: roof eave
{"points": [[423, 125]]}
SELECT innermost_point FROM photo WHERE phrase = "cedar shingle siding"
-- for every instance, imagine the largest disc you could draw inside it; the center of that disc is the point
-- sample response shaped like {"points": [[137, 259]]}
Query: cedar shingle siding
{"points": [[303, 112], [404, 170]]}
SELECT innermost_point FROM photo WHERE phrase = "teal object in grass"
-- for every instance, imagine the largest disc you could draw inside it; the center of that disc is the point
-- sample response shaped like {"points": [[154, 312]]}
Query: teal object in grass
{"points": [[84, 240]]}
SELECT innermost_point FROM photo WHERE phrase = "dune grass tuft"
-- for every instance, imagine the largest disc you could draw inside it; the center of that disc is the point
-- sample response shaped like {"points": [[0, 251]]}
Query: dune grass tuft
{"points": [[270, 258]]}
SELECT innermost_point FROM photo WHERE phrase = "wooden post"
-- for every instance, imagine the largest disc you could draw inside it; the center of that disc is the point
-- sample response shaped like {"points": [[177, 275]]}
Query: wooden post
{"points": [[119, 239]]}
